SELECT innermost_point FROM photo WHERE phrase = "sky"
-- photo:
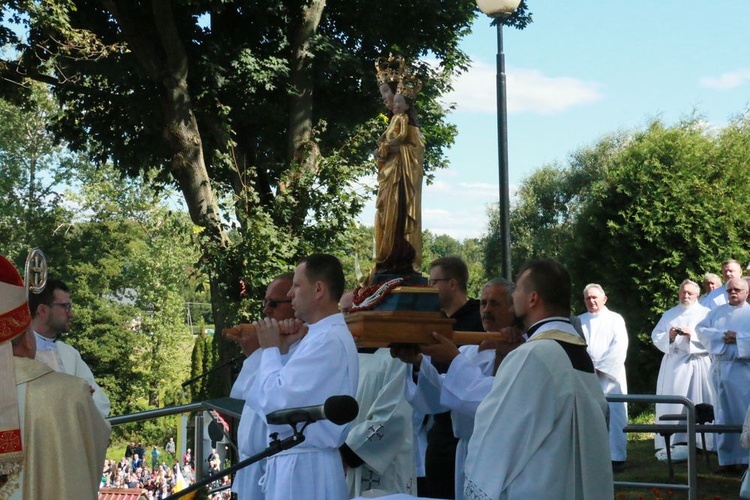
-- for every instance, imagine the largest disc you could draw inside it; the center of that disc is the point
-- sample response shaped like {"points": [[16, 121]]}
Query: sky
{"points": [[579, 71]]}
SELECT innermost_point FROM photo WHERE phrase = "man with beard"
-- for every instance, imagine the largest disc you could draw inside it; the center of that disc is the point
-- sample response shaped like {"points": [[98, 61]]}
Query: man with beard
{"points": [[725, 333], [685, 366], [541, 432], [51, 312], [459, 390]]}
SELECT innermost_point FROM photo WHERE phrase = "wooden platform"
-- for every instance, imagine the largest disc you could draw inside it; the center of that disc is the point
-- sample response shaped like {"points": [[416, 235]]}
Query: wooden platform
{"points": [[383, 328]]}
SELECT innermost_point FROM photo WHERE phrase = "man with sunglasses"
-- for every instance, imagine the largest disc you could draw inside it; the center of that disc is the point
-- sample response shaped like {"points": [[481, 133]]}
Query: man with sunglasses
{"points": [[725, 333], [252, 434], [51, 312], [324, 364]]}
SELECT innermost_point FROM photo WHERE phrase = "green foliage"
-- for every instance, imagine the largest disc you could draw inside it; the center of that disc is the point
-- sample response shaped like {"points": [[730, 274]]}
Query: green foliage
{"points": [[285, 122], [204, 358], [638, 213], [32, 165]]}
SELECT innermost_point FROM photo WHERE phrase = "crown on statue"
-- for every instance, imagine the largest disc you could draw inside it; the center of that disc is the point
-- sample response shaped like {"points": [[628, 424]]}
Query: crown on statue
{"points": [[390, 69], [409, 86]]}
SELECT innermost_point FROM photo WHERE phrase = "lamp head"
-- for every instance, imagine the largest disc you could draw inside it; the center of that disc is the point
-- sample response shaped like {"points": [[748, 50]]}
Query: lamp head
{"points": [[498, 8]]}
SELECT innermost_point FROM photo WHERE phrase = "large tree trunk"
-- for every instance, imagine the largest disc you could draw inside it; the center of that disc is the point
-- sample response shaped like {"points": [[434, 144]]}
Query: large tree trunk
{"points": [[300, 101], [164, 60]]}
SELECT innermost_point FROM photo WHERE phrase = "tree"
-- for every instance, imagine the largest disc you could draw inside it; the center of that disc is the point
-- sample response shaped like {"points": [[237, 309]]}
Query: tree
{"points": [[638, 213], [264, 108], [33, 166]]}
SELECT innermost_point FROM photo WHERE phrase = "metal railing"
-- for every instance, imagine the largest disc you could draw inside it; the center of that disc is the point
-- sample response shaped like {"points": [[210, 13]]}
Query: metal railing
{"points": [[692, 483]]}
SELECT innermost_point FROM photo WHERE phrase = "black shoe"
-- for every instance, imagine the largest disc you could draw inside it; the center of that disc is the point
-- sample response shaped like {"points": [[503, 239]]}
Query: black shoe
{"points": [[618, 466]]}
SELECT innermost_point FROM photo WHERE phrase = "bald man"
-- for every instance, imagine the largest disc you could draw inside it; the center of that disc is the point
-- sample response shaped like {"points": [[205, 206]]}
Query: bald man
{"points": [[725, 333]]}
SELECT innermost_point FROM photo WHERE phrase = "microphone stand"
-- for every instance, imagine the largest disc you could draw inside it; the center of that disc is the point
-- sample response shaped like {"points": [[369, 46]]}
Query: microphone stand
{"points": [[276, 446], [208, 372]]}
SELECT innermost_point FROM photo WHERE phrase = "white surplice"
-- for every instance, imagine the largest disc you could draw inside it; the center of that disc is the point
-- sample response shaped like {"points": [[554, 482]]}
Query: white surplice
{"points": [[382, 433], [541, 432], [323, 365], [685, 366], [730, 374], [252, 433], [426, 397], [607, 340], [53, 354]]}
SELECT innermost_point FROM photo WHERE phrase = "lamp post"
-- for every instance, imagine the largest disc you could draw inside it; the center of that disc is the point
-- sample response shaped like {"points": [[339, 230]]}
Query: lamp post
{"points": [[499, 9]]}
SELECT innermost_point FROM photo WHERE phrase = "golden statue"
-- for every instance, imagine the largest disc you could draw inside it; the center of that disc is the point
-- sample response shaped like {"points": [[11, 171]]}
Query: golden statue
{"points": [[400, 157]]}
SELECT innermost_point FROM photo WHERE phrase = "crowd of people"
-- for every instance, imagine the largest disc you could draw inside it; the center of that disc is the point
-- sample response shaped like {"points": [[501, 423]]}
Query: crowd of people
{"points": [[159, 474]]}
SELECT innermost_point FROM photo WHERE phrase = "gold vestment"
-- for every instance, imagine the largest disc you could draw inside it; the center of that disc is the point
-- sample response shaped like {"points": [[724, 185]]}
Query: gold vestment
{"points": [[65, 438]]}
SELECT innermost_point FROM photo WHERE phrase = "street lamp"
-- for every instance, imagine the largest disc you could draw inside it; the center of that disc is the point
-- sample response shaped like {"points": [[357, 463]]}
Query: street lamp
{"points": [[499, 9]]}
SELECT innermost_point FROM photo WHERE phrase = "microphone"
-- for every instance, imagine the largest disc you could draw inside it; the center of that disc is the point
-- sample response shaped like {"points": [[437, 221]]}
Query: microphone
{"points": [[337, 409]]}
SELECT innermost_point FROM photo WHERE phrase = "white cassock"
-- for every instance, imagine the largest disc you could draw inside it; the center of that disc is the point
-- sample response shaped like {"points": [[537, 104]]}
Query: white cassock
{"points": [[541, 432], [745, 436], [381, 435], [607, 340], [64, 358], [685, 366], [252, 433], [715, 298], [323, 365], [730, 374], [425, 397]]}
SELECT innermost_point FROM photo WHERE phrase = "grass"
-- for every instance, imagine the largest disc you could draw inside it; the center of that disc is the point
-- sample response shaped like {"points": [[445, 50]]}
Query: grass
{"points": [[642, 466]]}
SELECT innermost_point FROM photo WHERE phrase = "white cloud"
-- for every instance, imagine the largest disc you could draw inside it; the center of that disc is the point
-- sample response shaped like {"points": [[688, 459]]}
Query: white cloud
{"points": [[528, 91], [468, 222], [726, 81]]}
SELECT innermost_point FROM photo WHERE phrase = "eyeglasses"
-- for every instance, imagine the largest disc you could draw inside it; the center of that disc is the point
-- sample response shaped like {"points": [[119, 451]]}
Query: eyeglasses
{"points": [[431, 282], [731, 290], [273, 304], [67, 306]]}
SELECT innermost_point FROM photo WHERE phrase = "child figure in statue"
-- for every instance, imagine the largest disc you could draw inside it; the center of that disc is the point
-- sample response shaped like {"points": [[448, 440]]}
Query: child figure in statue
{"points": [[400, 155]]}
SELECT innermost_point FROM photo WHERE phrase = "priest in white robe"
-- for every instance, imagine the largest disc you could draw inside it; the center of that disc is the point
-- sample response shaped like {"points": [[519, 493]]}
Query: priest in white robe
{"points": [[51, 313], [725, 333], [607, 339], [425, 393], [252, 434], [379, 447], [541, 432], [379, 452], [711, 282], [718, 296], [465, 384], [686, 365], [324, 364]]}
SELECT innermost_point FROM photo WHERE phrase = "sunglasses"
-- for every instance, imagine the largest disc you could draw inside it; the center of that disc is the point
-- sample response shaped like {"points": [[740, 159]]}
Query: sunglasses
{"points": [[67, 306], [273, 304]]}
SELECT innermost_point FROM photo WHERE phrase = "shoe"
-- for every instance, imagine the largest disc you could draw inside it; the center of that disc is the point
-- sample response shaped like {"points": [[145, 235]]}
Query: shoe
{"points": [[618, 466]]}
